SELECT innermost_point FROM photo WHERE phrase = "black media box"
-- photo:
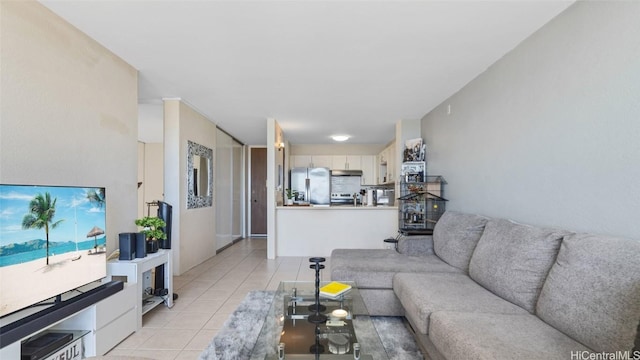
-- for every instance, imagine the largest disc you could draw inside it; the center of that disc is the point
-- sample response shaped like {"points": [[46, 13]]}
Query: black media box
{"points": [[43, 345]]}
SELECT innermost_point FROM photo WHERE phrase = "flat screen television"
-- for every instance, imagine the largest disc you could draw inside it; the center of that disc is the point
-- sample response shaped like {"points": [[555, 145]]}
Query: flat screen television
{"points": [[52, 240]]}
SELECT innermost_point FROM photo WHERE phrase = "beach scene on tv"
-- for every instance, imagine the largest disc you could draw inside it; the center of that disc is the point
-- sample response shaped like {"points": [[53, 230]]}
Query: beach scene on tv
{"points": [[52, 240]]}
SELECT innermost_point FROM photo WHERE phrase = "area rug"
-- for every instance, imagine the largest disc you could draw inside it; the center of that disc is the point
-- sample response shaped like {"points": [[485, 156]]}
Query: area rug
{"points": [[237, 339]]}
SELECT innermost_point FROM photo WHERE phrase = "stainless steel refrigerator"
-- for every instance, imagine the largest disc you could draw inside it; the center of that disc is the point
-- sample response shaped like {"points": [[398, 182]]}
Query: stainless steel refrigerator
{"points": [[311, 185]]}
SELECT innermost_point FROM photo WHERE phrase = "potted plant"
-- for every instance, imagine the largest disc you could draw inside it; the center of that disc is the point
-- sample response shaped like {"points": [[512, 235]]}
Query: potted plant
{"points": [[290, 195], [151, 228]]}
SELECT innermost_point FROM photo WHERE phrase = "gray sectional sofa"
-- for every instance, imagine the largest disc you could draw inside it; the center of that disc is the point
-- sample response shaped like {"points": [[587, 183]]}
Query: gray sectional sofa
{"points": [[483, 288]]}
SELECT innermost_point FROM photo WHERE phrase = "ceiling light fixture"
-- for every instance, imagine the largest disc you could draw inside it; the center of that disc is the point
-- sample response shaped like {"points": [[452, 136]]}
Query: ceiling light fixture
{"points": [[340, 137]]}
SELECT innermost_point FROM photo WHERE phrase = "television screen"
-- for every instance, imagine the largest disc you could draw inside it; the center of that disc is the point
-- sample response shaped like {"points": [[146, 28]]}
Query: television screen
{"points": [[52, 240]]}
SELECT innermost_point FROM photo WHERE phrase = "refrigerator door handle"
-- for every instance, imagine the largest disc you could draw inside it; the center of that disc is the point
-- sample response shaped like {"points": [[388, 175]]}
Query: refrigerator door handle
{"points": [[307, 187]]}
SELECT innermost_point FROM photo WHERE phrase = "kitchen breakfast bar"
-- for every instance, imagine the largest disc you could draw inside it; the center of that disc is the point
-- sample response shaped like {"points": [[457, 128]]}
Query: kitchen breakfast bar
{"points": [[316, 231]]}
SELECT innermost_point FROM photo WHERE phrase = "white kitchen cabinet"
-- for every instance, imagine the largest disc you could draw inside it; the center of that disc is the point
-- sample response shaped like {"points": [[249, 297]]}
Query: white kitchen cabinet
{"points": [[368, 167], [339, 162], [354, 162], [391, 163], [386, 164], [311, 161], [346, 162], [300, 161], [382, 167], [321, 161]]}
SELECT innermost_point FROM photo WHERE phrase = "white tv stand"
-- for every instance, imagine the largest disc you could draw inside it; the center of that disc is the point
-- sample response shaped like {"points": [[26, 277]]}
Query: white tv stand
{"points": [[104, 323], [137, 273]]}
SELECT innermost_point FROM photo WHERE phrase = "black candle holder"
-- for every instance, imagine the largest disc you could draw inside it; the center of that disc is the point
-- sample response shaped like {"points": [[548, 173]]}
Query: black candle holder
{"points": [[317, 317], [317, 348]]}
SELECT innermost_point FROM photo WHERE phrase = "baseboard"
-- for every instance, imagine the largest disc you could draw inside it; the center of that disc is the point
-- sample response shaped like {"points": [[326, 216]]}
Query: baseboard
{"points": [[228, 245]]}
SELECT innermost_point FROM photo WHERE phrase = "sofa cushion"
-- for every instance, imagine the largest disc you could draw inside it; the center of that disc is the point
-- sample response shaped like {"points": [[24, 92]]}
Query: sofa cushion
{"points": [[415, 245], [455, 236], [637, 342], [374, 268], [592, 292], [381, 302], [479, 336], [513, 260], [423, 294]]}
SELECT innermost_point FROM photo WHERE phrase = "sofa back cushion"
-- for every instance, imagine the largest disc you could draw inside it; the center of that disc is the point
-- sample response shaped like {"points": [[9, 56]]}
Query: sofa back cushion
{"points": [[455, 236], [592, 292], [512, 260], [637, 342]]}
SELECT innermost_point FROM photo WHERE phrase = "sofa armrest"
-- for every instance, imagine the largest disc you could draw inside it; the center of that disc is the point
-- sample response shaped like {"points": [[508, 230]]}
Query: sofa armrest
{"points": [[419, 245]]}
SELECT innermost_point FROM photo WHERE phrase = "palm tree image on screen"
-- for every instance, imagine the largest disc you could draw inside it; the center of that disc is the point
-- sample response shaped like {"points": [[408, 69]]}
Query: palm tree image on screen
{"points": [[41, 213]]}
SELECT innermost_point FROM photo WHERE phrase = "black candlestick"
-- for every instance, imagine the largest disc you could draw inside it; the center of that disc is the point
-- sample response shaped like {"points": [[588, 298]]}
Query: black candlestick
{"points": [[317, 318], [317, 348]]}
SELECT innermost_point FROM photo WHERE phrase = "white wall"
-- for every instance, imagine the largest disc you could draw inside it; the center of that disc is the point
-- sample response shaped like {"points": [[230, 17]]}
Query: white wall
{"points": [[275, 158], [69, 111], [549, 134], [194, 230], [140, 176], [152, 187]]}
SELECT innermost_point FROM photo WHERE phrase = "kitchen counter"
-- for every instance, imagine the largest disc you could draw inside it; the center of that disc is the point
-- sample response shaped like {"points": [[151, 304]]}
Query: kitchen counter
{"points": [[317, 230], [337, 207]]}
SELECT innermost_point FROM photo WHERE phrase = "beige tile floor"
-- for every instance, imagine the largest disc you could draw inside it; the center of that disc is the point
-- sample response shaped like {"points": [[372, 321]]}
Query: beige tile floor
{"points": [[208, 294]]}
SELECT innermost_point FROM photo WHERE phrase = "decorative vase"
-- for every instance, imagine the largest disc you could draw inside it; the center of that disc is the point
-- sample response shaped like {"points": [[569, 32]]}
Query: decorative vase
{"points": [[152, 246]]}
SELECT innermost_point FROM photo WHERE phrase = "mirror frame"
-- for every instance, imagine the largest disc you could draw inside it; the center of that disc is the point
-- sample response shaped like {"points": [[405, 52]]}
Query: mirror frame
{"points": [[198, 201]]}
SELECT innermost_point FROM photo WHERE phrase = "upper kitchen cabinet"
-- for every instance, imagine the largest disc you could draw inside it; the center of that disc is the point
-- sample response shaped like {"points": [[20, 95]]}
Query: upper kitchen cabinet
{"points": [[366, 163], [386, 164], [300, 161], [310, 161], [346, 162], [368, 169], [321, 161], [391, 163]]}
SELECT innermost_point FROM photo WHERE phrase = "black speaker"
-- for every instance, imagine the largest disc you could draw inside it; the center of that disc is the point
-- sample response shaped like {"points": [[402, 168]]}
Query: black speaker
{"points": [[141, 245], [159, 280], [164, 213], [127, 246]]}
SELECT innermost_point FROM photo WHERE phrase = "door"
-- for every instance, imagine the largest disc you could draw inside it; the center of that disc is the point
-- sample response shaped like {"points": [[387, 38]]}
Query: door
{"points": [[258, 191]]}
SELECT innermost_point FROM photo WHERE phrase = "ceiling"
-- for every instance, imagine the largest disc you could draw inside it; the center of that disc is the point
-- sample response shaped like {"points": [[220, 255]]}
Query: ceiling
{"points": [[317, 67]]}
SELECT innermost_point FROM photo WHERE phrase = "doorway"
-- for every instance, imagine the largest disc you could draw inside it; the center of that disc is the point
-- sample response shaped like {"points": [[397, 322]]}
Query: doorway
{"points": [[258, 195]]}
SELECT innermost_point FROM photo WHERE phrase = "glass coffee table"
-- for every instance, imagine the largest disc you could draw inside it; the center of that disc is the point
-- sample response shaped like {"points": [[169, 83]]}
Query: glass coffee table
{"points": [[287, 332]]}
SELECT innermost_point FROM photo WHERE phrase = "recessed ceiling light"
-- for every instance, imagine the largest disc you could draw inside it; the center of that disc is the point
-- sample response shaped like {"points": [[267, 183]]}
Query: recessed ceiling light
{"points": [[340, 137]]}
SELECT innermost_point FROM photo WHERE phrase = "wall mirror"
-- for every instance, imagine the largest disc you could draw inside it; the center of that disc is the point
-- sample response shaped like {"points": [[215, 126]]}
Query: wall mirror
{"points": [[199, 176]]}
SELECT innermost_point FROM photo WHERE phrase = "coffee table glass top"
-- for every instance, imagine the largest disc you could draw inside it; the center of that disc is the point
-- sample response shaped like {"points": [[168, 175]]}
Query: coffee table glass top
{"points": [[287, 328]]}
